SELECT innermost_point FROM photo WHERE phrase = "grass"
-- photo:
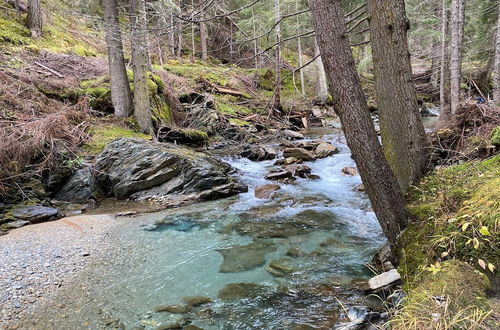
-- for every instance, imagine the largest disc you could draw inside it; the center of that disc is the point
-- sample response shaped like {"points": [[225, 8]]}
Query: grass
{"points": [[451, 244]]}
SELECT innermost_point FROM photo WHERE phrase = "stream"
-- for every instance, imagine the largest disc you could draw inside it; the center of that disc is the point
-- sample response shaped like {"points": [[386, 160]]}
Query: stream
{"points": [[280, 263]]}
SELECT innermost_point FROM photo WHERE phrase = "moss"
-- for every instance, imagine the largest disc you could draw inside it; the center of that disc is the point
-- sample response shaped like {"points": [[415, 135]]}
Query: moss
{"points": [[239, 122], [495, 136], [232, 109], [13, 32], [195, 134], [455, 215], [102, 135], [450, 295]]}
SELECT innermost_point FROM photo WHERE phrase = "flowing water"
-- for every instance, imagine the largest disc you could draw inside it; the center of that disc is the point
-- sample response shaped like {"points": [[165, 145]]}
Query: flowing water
{"points": [[325, 226]]}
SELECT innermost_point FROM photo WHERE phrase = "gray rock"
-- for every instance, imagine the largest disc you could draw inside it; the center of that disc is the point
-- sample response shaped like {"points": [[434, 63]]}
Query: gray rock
{"points": [[17, 224], [257, 153], [81, 187], [156, 170], [35, 214], [293, 135], [382, 280]]}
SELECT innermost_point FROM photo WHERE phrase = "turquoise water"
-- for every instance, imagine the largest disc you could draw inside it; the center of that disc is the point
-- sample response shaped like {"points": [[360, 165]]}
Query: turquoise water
{"points": [[163, 257]]}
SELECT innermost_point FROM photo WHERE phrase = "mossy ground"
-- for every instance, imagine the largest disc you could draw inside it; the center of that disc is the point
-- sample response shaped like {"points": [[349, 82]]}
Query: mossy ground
{"points": [[454, 234], [59, 35], [101, 135]]}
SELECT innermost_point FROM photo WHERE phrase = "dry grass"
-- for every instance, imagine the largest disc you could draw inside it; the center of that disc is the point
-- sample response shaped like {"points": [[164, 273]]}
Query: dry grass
{"points": [[35, 131]]}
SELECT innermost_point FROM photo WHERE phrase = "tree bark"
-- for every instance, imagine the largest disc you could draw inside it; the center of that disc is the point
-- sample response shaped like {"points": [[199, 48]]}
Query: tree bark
{"points": [[138, 28], [299, 51], [457, 30], [35, 18], [444, 79], [276, 106], [403, 136], [204, 39], [121, 96], [496, 70], [350, 105], [321, 83]]}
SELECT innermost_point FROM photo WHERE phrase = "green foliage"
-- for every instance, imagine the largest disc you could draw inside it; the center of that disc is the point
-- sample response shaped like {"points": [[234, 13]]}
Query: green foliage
{"points": [[102, 135]]}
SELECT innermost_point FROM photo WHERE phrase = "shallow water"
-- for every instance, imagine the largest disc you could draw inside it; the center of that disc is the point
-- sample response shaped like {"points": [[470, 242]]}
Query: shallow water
{"points": [[160, 258]]}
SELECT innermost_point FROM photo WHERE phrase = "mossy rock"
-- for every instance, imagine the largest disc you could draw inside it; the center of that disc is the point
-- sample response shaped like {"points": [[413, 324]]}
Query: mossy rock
{"points": [[102, 135]]}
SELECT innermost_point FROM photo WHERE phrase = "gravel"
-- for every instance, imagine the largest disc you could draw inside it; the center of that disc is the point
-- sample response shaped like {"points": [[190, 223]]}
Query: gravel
{"points": [[37, 260]]}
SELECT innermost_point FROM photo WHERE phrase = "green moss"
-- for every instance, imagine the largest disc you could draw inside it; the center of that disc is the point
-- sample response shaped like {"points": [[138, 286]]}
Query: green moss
{"points": [[449, 295], [233, 109], [495, 136], [455, 214], [239, 122], [195, 134], [13, 32], [102, 135]]}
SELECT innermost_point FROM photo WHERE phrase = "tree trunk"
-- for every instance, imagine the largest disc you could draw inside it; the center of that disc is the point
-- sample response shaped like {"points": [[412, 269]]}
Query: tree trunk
{"points": [[403, 137], [255, 46], [299, 50], [171, 35], [321, 83], [276, 106], [35, 18], [193, 46], [350, 105], [457, 30], [121, 96], [203, 39], [436, 43], [444, 79], [496, 69], [138, 28]]}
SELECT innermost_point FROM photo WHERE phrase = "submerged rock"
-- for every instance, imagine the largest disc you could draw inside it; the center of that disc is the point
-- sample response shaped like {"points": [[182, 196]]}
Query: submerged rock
{"points": [[279, 175], [174, 309], [294, 252], [268, 229], [315, 219], [35, 214], [266, 191], [241, 291], [280, 267], [141, 169], [243, 258], [196, 300]]}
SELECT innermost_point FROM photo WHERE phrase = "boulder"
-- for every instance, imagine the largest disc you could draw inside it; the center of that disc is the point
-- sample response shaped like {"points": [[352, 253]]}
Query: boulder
{"points": [[292, 160], [35, 214], [349, 170], [299, 170], [182, 136], [279, 175], [325, 149], [16, 224], [140, 169], [292, 135], [174, 309], [299, 153], [81, 187], [257, 153], [266, 191], [196, 300]]}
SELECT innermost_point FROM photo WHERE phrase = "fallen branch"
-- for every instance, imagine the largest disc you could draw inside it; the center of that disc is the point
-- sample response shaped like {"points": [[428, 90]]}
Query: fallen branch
{"points": [[49, 69]]}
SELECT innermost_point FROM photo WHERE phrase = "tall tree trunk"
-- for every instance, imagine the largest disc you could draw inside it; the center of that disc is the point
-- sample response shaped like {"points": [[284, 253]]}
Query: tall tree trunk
{"points": [[496, 70], [444, 79], [121, 97], [299, 50], [436, 43], [321, 83], [35, 18], [350, 105], [457, 29], [193, 46], [171, 35], [138, 28], [203, 39], [255, 45], [276, 106], [403, 137]]}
